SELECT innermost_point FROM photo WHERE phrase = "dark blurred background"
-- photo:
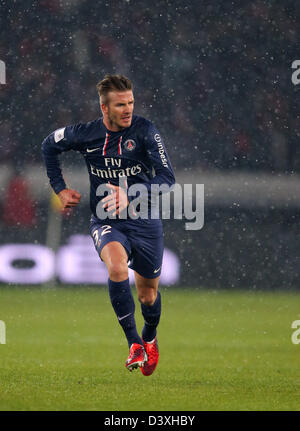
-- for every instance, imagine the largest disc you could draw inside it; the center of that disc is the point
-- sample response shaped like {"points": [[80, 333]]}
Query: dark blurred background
{"points": [[215, 78]]}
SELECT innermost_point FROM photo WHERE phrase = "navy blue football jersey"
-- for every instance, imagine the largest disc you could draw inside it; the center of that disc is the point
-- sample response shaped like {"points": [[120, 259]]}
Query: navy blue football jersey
{"points": [[136, 152]]}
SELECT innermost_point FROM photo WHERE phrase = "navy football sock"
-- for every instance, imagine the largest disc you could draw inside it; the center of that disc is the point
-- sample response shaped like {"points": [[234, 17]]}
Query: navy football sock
{"points": [[151, 316], [123, 304]]}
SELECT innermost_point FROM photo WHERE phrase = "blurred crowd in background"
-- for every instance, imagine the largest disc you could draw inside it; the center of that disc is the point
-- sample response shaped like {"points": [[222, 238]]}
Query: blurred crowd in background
{"points": [[214, 77]]}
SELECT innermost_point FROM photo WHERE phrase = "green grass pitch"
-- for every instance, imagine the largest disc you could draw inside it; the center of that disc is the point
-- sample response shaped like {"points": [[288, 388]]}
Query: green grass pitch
{"points": [[219, 350]]}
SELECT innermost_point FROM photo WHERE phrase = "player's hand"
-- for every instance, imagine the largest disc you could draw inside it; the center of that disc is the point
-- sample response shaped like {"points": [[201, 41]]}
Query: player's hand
{"points": [[69, 198], [116, 201]]}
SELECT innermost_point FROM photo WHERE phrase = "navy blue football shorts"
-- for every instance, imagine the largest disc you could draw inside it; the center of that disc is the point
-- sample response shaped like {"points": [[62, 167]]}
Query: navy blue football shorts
{"points": [[143, 242]]}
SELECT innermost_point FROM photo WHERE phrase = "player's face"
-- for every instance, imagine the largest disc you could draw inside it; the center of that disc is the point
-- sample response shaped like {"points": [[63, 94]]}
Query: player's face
{"points": [[119, 109]]}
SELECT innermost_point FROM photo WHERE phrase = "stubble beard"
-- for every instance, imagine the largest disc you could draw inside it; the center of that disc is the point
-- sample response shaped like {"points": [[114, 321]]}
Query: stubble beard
{"points": [[113, 123]]}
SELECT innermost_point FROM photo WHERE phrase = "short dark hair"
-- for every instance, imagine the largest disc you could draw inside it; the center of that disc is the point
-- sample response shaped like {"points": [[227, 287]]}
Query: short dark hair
{"points": [[113, 83]]}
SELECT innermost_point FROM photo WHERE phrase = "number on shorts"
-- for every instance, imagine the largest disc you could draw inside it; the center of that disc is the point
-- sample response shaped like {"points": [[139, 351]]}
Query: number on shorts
{"points": [[96, 236], [106, 229]]}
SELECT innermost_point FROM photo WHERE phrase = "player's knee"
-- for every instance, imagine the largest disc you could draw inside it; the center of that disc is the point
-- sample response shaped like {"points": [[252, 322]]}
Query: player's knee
{"points": [[147, 299], [118, 271]]}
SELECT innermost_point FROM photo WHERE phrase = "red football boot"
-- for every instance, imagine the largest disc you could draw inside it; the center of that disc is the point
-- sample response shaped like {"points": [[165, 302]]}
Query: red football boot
{"points": [[137, 357], [153, 355]]}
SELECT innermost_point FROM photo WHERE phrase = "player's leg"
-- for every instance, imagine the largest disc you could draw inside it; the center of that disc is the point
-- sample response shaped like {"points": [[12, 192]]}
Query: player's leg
{"points": [[115, 258], [150, 298], [114, 248], [147, 256]]}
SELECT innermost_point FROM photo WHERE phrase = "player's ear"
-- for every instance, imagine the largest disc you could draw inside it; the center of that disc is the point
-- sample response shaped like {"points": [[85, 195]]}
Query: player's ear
{"points": [[103, 108]]}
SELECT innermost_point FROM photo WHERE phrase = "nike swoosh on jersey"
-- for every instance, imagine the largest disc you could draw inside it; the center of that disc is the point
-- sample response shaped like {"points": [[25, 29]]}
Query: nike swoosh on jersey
{"points": [[156, 270], [92, 149]]}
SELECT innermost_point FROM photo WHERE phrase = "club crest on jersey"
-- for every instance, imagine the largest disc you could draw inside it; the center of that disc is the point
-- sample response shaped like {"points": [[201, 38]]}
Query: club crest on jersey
{"points": [[129, 145]]}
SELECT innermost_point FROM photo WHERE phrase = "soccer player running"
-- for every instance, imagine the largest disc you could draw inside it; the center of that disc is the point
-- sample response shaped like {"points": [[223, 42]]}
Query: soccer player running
{"points": [[114, 146]]}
